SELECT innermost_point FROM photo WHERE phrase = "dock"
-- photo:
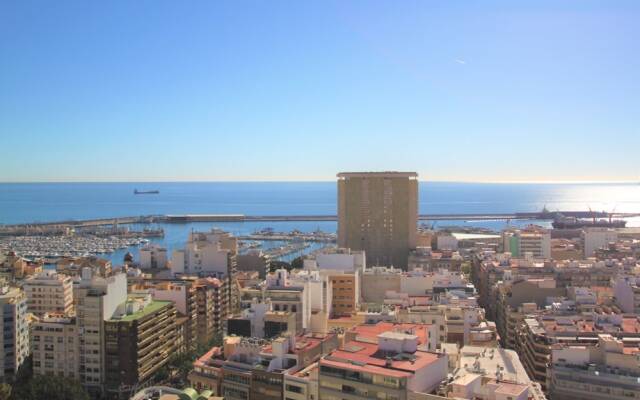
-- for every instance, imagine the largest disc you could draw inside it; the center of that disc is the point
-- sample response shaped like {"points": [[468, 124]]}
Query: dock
{"points": [[187, 218]]}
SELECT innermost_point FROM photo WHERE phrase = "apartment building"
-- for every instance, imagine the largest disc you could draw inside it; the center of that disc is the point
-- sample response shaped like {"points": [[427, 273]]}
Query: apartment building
{"points": [[211, 305], [73, 266], [14, 267], [392, 365], [510, 297], [139, 339], [254, 260], [286, 295], [210, 254], [96, 299], [452, 324], [537, 334], [206, 254], [341, 271], [446, 241], [593, 239], [14, 341], [153, 257], [183, 293], [380, 285], [378, 213], [601, 371], [344, 294], [377, 281], [430, 260], [49, 291], [532, 239], [254, 369], [491, 373], [626, 290], [302, 384], [55, 343]]}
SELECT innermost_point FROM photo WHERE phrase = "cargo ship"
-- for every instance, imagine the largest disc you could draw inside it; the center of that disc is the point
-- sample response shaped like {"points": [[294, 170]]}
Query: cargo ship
{"points": [[562, 222], [136, 191]]}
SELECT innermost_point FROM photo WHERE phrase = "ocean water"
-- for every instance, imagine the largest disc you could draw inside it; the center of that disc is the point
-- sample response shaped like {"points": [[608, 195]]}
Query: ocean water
{"points": [[47, 202]]}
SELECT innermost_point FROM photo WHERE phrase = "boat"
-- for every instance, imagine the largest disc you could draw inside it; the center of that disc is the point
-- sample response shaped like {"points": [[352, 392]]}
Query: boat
{"points": [[136, 191], [562, 222]]}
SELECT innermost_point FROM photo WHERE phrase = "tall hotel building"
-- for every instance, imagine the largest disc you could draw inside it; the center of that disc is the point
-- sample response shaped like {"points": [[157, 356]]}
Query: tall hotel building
{"points": [[378, 213]]}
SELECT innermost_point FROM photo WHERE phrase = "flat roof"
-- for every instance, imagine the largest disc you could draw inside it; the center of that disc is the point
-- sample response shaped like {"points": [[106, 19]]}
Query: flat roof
{"points": [[383, 174], [371, 331], [357, 354], [154, 306]]}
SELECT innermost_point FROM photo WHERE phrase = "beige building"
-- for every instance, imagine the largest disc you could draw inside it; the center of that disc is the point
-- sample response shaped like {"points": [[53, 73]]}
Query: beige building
{"points": [[49, 291], [377, 281], [14, 341], [97, 300], [378, 213], [382, 361], [606, 370], [54, 346], [491, 374], [211, 306]]}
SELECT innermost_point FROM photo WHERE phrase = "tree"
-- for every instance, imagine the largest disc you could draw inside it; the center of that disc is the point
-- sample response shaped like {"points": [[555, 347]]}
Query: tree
{"points": [[298, 263], [51, 388], [465, 268], [5, 391], [279, 265]]}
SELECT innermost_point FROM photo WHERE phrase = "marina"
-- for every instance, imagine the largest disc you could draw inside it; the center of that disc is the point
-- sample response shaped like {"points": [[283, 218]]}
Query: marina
{"points": [[53, 247]]}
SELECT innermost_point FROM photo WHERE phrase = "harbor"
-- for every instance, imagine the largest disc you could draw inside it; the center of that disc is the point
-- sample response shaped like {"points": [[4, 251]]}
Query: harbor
{"points": [[543, 215], [51, 248]]}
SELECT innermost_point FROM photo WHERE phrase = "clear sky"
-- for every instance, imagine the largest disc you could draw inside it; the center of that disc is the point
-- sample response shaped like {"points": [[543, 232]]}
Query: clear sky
{"points": [[277, 90]]}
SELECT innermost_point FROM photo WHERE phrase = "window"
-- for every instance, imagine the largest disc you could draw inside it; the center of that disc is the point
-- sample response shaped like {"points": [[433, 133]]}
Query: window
{"points": [[294, 389]]}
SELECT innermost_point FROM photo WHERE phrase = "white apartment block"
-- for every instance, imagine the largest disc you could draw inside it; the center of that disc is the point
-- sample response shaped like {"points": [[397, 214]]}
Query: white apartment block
{"points": [[14, 341], [49, 291], [491, 373], [153, 257], [532, 240], [54, 344], [446, 242], [205, 254], [626, 290], [596, 238], [97, 300], [344, 260], [605, 371], [535, 241]]}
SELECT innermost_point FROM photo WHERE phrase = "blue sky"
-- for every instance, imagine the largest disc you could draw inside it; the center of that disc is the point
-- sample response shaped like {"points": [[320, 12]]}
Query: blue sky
{"points": [[455, 90]]}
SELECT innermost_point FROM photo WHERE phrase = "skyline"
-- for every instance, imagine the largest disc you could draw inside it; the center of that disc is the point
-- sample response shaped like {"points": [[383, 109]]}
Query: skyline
{"points": [[505, 182], [154, 91]]}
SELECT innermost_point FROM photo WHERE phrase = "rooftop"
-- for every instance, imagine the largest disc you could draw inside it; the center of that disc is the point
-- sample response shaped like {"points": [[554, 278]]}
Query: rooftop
{"points": [[151, 308], [487, 361], [384, 174], [364, 356], [584, 324], [371, 331]]}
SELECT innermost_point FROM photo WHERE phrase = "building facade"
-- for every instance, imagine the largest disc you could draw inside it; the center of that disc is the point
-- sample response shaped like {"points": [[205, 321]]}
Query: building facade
{"points": [[54, 345], [378, 213], [49, 291], [140, 338], [14, 341]]}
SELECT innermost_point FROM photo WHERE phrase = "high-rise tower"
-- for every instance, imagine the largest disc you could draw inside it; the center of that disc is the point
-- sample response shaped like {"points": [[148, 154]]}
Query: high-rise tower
{"points": [[378, 213]]}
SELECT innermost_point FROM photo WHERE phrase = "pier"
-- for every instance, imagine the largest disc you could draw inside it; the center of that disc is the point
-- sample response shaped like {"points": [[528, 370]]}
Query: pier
{"points": [[186, 218]]}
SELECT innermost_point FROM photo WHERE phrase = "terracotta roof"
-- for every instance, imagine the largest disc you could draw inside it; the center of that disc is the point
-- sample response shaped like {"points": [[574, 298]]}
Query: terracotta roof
{"points": [[372, 331], [356, 355]]}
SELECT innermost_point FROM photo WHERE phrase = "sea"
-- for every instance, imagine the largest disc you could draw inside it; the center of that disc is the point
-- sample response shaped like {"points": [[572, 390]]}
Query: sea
{"points": [[50, 202]]}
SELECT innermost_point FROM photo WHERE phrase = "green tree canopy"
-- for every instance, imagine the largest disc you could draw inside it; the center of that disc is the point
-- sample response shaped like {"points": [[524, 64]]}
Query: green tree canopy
{"points": [[50, 388]]}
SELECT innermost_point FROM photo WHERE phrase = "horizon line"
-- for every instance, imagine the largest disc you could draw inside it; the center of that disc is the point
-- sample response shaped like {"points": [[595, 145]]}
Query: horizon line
{"points": [[539, 182]]}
